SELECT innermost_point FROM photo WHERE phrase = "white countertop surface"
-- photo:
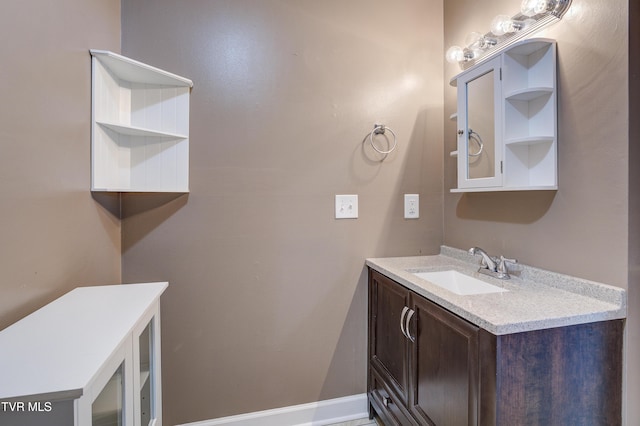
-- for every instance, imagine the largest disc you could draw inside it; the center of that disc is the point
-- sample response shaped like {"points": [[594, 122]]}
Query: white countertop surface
{"points": [[536, 299], [55, 352]]}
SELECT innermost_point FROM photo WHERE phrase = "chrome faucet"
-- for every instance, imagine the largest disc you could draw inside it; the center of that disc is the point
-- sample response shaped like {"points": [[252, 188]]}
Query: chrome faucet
{"points": [[487, 261], [493, 266]]}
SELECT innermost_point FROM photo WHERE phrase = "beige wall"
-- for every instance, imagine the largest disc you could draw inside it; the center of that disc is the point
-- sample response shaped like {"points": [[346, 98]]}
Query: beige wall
{"points": [[55, 236], [583, 228], [267, 299]]}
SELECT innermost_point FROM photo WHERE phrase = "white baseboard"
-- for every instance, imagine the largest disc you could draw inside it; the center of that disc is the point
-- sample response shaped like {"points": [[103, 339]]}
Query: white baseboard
{"points": [[312, 414]]}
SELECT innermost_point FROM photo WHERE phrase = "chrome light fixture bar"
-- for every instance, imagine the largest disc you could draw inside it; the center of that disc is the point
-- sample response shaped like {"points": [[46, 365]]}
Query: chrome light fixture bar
{"points": [[506, 30]]}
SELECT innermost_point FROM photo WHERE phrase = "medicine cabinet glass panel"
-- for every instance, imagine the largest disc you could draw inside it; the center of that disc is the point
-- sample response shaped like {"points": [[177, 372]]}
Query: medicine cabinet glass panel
{"points": [[106, 410], [480, 121]]}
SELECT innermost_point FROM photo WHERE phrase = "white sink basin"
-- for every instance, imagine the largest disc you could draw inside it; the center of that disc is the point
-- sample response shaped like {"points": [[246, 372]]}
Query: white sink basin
{"points": [[458, 283]]}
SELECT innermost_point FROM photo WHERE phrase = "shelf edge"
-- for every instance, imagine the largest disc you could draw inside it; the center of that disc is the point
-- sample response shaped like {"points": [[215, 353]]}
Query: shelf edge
{"points": [[506, 189], [138, 131], [96, 53]]}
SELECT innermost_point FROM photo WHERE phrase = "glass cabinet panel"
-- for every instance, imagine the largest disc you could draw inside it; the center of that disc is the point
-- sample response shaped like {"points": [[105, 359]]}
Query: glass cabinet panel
{"points": [[146, 365], [106, 410], [480, 127]]}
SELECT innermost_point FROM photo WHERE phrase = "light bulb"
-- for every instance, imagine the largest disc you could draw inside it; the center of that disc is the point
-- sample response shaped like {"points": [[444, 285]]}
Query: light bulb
{"points": [[454, 54], [474, 40], [503, 24], [534, 7]]}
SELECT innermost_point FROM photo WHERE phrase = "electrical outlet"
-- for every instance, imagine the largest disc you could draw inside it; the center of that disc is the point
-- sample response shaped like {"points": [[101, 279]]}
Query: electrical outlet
{"points": [[411, 206], [346, 206]]}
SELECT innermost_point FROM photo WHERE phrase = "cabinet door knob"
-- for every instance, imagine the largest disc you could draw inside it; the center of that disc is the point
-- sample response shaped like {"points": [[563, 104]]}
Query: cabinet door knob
{"points": [[404, 313], [386, 401], [460, 132]]}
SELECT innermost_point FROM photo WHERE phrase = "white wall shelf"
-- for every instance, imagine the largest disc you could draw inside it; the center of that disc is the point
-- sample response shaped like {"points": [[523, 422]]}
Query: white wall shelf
{"points": [[528, 93], [140, 126], [139, 131], [529, 140]]}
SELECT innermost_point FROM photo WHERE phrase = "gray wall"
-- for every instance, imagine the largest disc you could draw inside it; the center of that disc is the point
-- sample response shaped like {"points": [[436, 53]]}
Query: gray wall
{"points": [[55, 236], [267, 299], [583, 228]]}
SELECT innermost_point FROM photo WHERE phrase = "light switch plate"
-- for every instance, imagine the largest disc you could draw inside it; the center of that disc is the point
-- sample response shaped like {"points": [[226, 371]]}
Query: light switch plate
{"points": [[346, 206], [411, 206]]}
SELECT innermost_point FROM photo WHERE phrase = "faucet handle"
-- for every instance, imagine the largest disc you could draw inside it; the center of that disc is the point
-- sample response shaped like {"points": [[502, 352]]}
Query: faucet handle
{"points": [[502, 266], [484, 264]]}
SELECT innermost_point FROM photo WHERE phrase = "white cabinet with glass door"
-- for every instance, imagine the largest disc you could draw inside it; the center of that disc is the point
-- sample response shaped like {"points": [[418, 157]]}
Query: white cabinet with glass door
{"points": [[91, 357]]}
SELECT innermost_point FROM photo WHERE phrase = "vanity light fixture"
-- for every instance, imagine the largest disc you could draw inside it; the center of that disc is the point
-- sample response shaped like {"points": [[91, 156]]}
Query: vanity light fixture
{"points": [[506, 30], [535, 7], [457, 54], [476, 45], [479, 41], [504, 24]]}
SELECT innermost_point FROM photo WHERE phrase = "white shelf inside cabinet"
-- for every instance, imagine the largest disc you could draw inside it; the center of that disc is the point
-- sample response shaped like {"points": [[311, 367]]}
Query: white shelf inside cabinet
{"points": [[529, 140], [528, 94], [140, 126], [529, 64]]}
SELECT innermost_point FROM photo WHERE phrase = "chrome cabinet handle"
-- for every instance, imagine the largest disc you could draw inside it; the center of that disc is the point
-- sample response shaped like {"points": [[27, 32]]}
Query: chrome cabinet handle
{"points": [[409, 336], [386, 401], [404, 313]]}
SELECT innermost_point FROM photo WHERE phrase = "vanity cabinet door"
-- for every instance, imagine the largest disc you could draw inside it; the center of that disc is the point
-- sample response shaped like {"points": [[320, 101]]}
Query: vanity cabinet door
{"points": [[387, 344], [444, 366]]}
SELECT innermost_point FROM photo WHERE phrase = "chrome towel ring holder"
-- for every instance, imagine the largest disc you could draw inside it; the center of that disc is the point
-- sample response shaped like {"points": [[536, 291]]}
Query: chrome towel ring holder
{"points": [[380, 129], [476, 137]]}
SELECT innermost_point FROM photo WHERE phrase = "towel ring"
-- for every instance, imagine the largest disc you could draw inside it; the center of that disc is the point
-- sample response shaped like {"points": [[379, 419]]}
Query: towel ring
{"points": [[379, 129], [476, 137]]}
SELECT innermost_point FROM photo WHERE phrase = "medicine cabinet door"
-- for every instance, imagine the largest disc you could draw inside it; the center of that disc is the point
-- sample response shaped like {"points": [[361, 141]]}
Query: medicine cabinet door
{"points": [[480, 147]]}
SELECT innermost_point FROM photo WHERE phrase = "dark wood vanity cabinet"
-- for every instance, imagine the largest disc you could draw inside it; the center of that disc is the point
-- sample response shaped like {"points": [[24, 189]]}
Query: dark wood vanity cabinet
{"points": [[388, 347], [427, 366], [423, 360]]}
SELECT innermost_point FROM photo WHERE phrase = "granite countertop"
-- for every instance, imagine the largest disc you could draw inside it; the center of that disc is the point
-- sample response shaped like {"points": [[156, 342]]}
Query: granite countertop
{"points": [[536, 299]]}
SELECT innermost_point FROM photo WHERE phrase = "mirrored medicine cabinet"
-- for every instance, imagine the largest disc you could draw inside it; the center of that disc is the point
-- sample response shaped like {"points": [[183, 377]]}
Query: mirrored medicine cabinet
{"points": [[507, 120]]}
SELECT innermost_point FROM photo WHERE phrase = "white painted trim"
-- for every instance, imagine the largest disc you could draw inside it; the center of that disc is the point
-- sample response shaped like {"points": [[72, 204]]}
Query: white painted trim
{"points": [[312, 414]]}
